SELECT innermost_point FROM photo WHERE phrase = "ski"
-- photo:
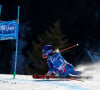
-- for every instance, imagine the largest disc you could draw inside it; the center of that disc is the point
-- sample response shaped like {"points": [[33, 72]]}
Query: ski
{"points": [[76, 78]]}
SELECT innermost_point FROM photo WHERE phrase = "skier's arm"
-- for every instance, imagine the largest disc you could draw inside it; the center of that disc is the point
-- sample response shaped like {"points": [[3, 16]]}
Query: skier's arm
{"points": [[50, 65]]}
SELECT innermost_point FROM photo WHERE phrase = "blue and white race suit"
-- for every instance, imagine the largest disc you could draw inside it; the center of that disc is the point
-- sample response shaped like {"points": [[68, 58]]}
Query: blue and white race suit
{"points": [[57, 64]]}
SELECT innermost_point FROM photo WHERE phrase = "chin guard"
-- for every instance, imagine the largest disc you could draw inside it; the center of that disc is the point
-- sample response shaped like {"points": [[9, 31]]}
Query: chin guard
{"points": [[44, 56]]}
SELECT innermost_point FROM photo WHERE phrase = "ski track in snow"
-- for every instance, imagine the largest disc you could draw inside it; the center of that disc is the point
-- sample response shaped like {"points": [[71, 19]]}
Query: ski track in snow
{"points": [[26, 82]]}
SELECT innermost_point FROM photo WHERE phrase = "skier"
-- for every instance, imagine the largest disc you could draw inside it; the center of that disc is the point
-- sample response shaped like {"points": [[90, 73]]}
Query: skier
{"points": [[57, 64]]}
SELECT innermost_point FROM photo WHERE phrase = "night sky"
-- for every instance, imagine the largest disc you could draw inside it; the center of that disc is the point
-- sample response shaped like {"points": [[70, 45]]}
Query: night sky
{"points": [[79, 18]]}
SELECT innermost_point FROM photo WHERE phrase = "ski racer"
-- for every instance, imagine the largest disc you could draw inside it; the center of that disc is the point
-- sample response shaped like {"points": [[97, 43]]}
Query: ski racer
{"points": [[57, 64]]}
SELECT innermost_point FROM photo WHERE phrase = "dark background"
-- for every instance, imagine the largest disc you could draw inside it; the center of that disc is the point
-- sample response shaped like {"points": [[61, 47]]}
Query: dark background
{"points": [[80, 19]]}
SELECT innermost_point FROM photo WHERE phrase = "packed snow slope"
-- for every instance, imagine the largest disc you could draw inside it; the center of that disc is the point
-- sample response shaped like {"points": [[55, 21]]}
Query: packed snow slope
{"points": [[26, 82]]}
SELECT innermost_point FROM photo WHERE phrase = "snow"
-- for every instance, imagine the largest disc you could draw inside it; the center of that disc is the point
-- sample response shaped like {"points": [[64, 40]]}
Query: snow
{"points": [[26, 82]]}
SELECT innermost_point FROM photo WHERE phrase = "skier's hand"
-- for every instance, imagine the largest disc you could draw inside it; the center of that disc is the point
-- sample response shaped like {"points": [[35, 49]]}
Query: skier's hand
{"points": [[47, 76], [56, 50]]}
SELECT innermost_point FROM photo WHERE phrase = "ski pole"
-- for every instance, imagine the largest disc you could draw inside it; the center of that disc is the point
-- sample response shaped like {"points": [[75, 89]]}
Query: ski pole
{"points": [[44, 56], [69, 47]]}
